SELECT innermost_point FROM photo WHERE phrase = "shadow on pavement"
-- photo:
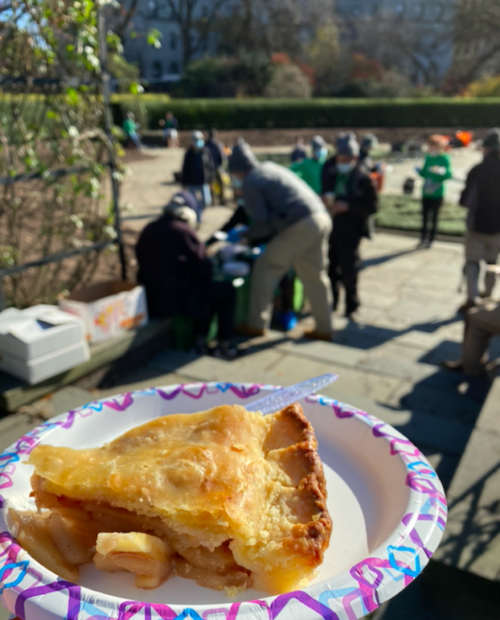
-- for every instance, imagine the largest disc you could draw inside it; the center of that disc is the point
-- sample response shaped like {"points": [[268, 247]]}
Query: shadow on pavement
{"points": [[444, 593], [380, 260], [370, 336], [476, 532]]}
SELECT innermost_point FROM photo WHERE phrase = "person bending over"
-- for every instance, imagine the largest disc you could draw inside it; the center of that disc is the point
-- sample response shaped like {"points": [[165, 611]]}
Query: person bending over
{"points": [[177, 276], [286, 212]]}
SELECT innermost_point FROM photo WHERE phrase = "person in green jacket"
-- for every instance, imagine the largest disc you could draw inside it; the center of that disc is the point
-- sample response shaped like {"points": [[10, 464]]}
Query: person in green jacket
{"points": [[436, 170], [130, 130], [309, 169]]}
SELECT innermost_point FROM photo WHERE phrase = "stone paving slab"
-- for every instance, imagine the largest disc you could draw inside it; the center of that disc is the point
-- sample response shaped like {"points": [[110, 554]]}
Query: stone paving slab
{"points": [[490, 413], [251, 368], [435, 402], [472, 539], [323, 351], [420, 427], [15, 426], [141, 380], [479, 474]]}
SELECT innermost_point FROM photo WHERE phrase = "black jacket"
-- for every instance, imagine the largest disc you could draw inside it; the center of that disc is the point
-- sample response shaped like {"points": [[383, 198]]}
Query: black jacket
{"points": [[216, 148], [360, 193], [174, 269], [482, 196], [198, 167]]}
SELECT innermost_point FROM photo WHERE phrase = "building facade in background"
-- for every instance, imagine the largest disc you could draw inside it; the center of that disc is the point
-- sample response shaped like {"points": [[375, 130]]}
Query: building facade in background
{"points": [[156, 65], [476, 46], [165, 64], [427, 41], [413, 37]]}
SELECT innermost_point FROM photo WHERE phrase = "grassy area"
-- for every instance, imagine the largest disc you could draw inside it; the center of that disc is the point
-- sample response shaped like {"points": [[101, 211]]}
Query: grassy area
{"points": [[404, 213]]}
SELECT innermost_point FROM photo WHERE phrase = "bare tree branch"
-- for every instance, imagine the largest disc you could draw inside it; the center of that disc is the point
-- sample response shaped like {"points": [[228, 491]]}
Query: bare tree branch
{"points": [[130, 12]]}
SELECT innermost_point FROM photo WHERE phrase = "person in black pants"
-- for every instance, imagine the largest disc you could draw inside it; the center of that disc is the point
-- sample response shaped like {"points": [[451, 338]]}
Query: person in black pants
{"points": [[198, 171], [351, 199], [435, 171], [219, 157], [177, 276]]}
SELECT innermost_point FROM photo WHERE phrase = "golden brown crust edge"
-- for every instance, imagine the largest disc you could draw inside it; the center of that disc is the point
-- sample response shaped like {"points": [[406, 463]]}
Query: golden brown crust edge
{"points": [[313, 536]]}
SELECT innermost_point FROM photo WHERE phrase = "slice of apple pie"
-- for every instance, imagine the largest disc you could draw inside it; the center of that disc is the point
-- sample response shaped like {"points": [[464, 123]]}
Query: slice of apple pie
{"points": [[227, 497]]}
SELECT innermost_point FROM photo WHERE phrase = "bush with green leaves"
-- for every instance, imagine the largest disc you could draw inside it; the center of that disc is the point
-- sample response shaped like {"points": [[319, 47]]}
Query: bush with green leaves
{"points": [[320, 113], [247, 74], [288, 81]]}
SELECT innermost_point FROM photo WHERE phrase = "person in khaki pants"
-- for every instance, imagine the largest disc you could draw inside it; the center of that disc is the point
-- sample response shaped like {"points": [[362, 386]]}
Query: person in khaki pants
{"points": [[481, 197], [481, 324], [291, 218]]}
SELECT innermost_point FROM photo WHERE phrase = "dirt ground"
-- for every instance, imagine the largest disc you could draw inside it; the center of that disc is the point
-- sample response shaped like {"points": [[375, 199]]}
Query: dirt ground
{"points": [[287, 137]]}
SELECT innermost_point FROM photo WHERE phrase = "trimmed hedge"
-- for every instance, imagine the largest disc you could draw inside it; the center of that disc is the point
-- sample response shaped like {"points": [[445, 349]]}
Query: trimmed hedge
{"points": [[285, 113]]}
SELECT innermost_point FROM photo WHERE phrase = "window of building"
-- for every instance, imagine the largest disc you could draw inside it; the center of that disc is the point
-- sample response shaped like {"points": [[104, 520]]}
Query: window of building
{"points": [[152, 8], [204, 12], [400, 9], [174, 68], [157, 69], [437, 11], [174, 41], [356, 10], [418, 10]]}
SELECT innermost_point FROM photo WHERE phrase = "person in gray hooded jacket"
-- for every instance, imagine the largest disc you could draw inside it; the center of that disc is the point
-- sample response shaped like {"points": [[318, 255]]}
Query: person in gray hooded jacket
{"points": [[285, 212]]}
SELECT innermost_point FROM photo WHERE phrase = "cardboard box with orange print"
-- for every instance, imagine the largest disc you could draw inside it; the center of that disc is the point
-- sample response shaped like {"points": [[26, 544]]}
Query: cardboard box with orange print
{"points": [[108, 309]]}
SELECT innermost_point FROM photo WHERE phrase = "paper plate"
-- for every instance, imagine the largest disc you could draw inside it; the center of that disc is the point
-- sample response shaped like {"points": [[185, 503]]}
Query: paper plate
{"points": [[387, 505]]}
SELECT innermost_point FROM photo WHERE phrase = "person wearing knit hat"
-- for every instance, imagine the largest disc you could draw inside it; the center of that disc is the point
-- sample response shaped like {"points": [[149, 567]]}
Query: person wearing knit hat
{"points": [[177, 276], [351, 199], [310, 168], [198, 170], [481, 197], [368, 143], [285, 212]]}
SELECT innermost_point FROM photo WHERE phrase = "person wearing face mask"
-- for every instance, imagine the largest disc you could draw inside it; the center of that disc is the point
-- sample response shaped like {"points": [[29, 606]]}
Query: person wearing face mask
{"points": [[435, 171], [309, 169], [292, 219], [351, 199], [198, 171]]}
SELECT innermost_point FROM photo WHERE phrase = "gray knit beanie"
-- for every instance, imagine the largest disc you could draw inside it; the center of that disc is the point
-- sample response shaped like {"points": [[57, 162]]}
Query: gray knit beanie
{"points": [[242, 158], [492, 140], [347, 145], [317, 143]]}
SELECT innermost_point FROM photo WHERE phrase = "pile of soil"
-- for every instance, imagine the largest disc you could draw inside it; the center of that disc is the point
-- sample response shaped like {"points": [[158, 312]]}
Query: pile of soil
{"points": [[287, 137]]}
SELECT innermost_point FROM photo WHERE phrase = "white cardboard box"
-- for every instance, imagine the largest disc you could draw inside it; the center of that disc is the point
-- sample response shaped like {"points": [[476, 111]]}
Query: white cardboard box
{"points": [[39, 330], [40, 342], [40, 368], [108, 309]]}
